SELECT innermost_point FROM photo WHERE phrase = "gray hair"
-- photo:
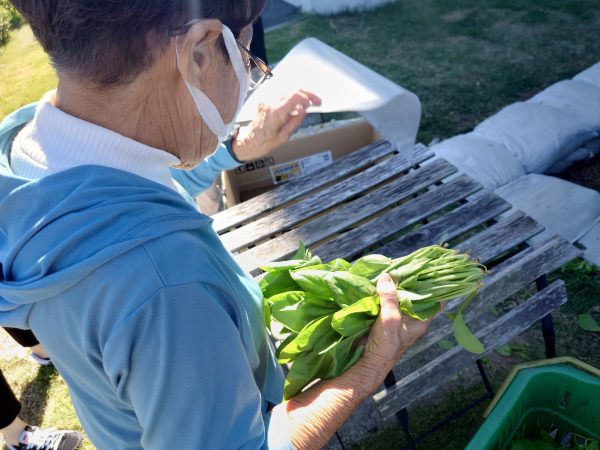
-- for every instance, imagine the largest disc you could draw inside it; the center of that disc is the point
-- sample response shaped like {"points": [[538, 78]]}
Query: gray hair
{"points": [[110, 42]]}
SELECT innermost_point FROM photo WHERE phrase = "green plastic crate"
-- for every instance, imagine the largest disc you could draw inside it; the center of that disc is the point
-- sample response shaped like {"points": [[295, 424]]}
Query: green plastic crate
{"points": [[560, 395]]}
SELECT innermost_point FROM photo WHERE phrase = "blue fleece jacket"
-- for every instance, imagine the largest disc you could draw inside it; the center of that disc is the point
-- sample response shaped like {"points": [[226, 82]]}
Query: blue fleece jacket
{"points": [[157, 331], [193, 181]]}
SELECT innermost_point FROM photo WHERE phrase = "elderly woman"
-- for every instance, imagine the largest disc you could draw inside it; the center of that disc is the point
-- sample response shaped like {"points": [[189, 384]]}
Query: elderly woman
{"points": [[155, 328]]}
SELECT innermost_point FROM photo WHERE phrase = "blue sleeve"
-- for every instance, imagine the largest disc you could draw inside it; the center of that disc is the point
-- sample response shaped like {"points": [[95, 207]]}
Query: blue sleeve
{"points": [[200, 178], [179, 360], [278, 431]]}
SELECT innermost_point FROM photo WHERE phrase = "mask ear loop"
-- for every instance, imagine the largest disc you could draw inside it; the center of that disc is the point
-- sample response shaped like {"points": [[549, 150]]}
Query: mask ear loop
{"points": [[211, 115], [235, 56]]}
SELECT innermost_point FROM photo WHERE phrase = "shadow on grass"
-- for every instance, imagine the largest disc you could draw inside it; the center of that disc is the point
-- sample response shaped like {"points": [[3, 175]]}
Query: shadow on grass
{"points": [[460, 391], [34, 397]]}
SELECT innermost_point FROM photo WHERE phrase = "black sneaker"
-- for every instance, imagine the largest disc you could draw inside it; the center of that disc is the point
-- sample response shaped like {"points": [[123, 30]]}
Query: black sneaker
{"points": [[34, 438]]}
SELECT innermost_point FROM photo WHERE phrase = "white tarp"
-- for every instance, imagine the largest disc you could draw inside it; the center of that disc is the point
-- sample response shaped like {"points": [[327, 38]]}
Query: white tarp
{"points": [[486, 161], [591, 74], [335, 6], [563, 208], [579, 99], [587, 151], [343, 85], [591, 242], [537, 135]]}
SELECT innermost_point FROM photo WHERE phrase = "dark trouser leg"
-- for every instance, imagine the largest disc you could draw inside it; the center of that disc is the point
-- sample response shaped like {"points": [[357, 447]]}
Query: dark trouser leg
{"points": [[24, 337], [258, 41], [10, 406]]}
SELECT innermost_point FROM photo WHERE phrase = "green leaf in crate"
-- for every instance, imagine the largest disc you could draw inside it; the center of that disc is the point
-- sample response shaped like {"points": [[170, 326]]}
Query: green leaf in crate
{"points": [[526, 444], [587, 323], [445, 344], [464, 337], [545, 436], [592, 445]]}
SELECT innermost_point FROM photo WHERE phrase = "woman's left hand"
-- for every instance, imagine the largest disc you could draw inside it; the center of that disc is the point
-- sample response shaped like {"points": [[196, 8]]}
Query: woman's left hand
{"points": [[273, 126]]}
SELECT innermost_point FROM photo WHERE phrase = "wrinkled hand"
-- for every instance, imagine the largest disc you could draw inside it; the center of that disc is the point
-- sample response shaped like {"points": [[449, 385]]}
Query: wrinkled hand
{"points": [[391, 334], [273, 126]]}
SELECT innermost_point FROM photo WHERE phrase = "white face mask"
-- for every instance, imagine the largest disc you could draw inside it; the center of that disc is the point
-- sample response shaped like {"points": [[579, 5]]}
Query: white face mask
{"points": [[206, 108]]}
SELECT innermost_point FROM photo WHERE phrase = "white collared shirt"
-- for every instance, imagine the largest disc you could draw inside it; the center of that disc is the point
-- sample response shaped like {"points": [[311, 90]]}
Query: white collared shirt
{"points": [[55, 141]]}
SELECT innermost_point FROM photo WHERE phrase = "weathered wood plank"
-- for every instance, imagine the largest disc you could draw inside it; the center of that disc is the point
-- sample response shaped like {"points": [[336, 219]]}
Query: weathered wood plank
{"points": [[426, 379], [283, 219], [505, 280], [516, 273], [283, 194], [448, 226], [351, 243], [347, 214], [506, 234]]}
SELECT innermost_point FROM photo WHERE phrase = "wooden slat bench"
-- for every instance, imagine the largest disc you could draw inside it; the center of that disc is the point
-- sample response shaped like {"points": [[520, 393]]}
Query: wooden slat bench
{"points": [[378, 201], [426, 378]]}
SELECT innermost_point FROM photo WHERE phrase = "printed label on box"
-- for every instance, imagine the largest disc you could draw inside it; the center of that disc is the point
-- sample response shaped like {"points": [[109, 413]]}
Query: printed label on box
{"points": [[254, 165], [281, 173]]}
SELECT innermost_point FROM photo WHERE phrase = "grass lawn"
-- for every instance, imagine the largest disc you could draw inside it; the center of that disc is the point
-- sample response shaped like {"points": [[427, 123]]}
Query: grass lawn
{"points": [[465, 60], [24, 70]]}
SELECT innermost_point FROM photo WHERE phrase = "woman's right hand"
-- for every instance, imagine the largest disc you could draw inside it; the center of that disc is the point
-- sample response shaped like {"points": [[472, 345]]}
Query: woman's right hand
{"points": [[316, 413], [391, 334], [273, 126]]}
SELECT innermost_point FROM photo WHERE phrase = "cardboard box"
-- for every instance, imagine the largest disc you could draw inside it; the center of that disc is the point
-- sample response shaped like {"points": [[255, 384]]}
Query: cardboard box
{"points": [[309, 149]]}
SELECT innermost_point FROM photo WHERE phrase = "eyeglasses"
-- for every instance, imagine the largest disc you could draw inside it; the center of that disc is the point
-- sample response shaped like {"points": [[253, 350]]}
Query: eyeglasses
{"points": [[259, 70]]}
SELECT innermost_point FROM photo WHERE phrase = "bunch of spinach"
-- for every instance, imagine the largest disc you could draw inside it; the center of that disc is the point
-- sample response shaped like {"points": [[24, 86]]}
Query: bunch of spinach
{"points": [[319, 310]]}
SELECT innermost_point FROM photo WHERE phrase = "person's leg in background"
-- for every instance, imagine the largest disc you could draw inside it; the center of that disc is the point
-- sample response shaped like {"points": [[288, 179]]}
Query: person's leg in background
{"points": [[11, 426], [25, 338], [258, 41], [16, 432]]}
